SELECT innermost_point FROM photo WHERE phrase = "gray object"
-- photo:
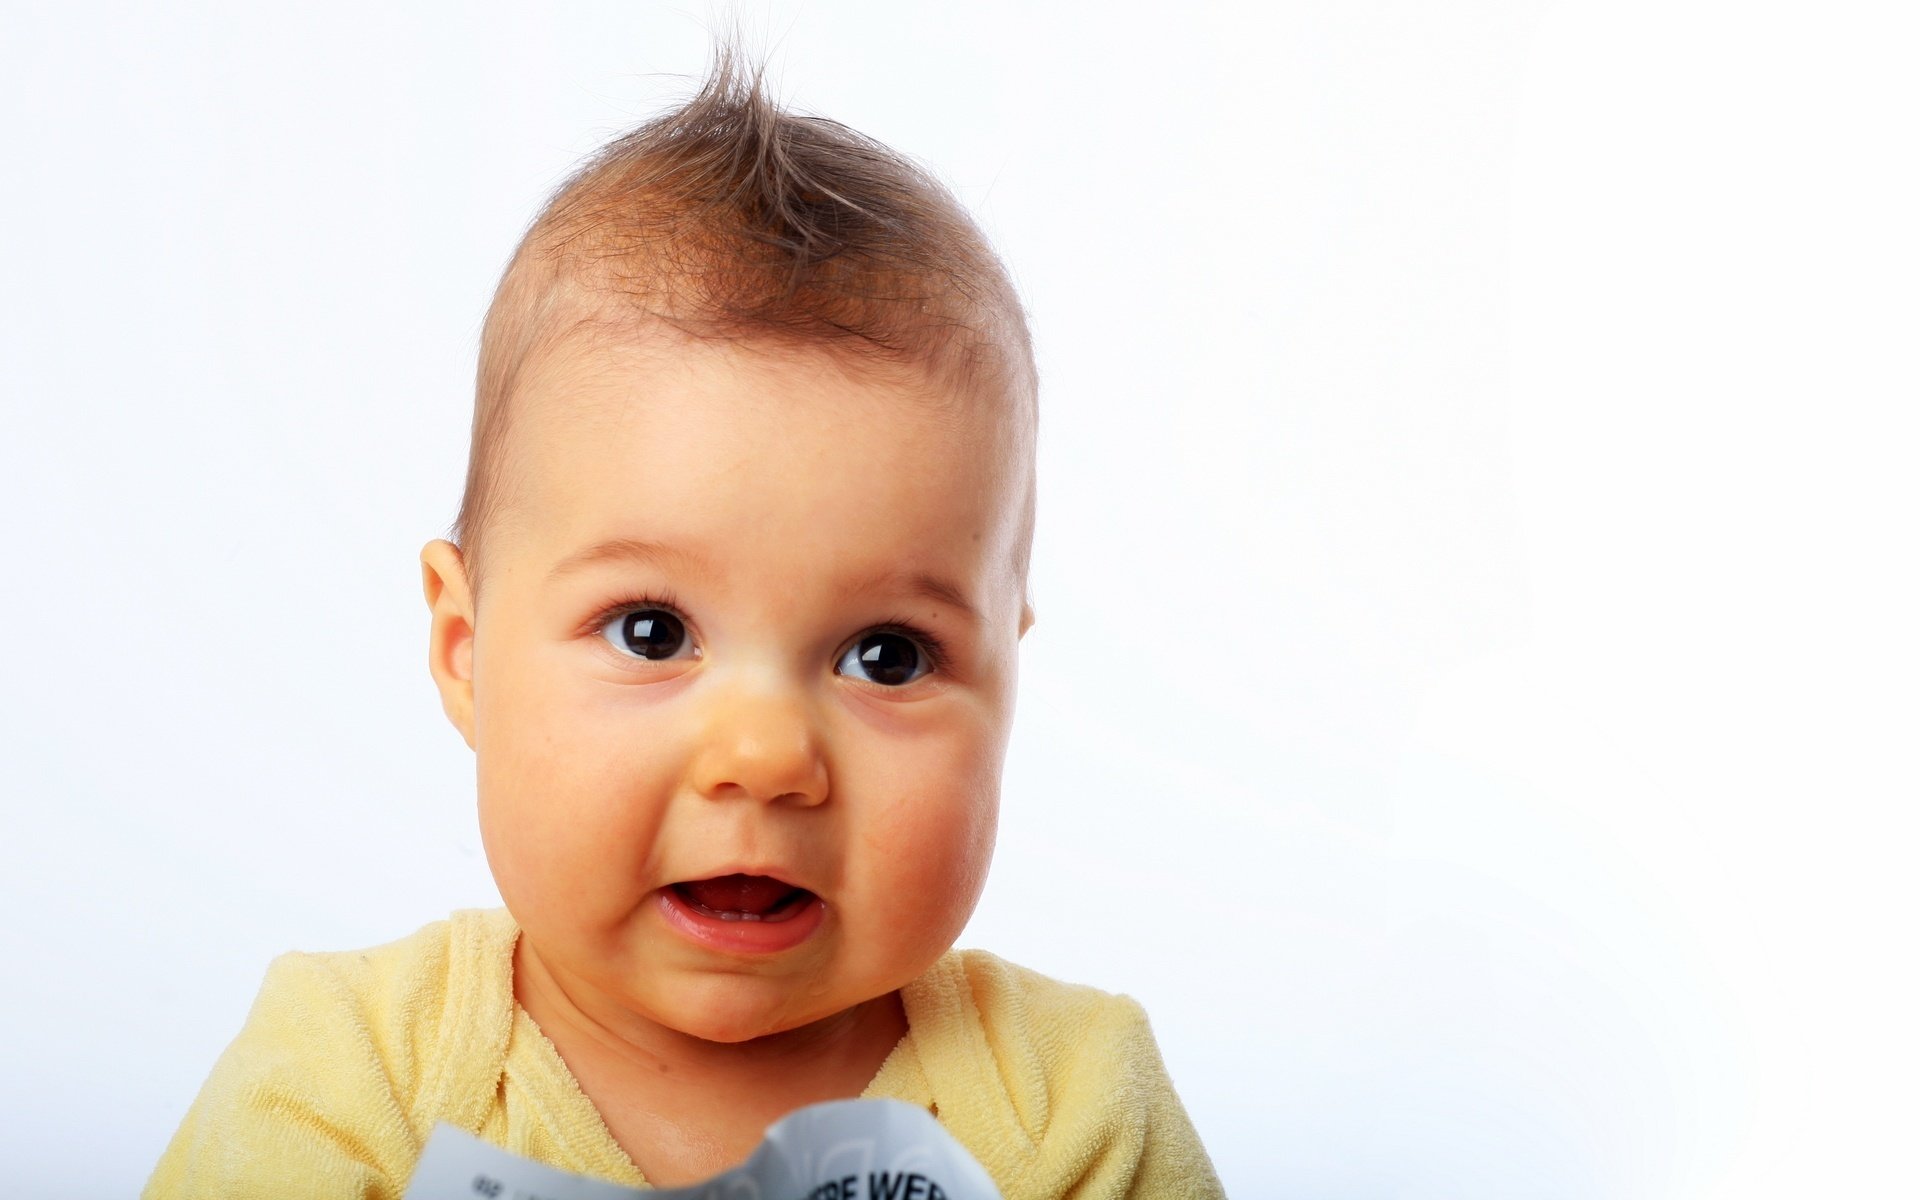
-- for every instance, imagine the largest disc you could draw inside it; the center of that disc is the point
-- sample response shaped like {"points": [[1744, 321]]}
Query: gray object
{"points": [[840, 1150]]}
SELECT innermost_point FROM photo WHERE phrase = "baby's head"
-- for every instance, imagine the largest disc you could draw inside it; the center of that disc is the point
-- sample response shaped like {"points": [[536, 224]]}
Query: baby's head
{"points": [[740, 575]]}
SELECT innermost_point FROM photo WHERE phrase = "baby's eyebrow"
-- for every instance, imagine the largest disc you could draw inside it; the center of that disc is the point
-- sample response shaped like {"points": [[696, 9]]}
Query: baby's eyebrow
{"points": [[620, 549], [624, 549], [919, 583]]}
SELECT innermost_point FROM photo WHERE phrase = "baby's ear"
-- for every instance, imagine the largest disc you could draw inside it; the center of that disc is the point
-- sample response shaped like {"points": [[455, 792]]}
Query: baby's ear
{"points": [[443, 576]]}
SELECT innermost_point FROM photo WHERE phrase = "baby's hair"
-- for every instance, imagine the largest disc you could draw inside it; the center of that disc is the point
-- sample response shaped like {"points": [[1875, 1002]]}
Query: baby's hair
{"points": [[729, 218]]}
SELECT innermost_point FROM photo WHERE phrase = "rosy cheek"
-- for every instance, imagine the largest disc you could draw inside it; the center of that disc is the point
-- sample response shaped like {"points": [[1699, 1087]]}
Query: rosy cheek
{"points": [[929, 861], [536, 817]]}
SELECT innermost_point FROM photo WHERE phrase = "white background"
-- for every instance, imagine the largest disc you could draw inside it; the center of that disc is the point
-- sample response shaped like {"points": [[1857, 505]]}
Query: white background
{"points": [[1473, 701]]}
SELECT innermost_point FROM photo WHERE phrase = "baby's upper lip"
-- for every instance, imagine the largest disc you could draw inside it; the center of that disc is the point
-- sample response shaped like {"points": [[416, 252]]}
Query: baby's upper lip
{"points": [[780, 874]]}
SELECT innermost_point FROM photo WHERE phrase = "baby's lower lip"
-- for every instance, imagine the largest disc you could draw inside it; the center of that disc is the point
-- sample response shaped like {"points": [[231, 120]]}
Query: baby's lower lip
{"points": [[736, 936]]}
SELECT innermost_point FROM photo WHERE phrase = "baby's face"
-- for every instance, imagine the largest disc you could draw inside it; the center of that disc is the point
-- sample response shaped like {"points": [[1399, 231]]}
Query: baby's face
{"points": [[755, 617]]}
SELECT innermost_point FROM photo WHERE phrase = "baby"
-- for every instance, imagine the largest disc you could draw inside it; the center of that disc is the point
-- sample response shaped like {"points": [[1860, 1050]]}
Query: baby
{"points": [[730, 620]]}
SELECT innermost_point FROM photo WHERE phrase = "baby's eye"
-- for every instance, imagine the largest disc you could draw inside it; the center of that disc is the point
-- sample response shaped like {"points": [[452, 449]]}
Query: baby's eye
{"points": [[649, 633], [889, 659]]}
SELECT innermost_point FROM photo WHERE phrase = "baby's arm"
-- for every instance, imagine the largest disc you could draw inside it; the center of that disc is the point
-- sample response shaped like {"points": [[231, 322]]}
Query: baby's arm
{"points": [[301, 1103], [1093, 1114], [1172, 1161]]}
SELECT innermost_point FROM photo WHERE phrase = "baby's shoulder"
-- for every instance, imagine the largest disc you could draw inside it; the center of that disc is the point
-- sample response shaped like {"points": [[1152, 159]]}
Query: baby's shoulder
{"points": [[999, 986], [344, 1062], [375, 984], [1051, 1084], [397, 1007], [375, 974], [1022, 1015]]}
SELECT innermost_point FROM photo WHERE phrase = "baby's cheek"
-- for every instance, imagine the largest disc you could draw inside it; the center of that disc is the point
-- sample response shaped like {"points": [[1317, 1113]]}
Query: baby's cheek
{"points": [[537, 818], [930, 859]]}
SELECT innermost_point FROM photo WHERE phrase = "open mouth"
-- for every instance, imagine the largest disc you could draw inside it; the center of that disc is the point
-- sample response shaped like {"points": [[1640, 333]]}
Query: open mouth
{"points": [[744, 898], [737, 915]]}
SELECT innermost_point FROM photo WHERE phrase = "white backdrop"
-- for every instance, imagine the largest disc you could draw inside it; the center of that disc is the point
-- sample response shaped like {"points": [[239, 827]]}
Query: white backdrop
{"points": [[1472, 705]]}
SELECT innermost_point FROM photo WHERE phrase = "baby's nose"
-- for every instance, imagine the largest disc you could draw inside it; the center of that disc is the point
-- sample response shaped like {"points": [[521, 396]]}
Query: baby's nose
{"points": [[763, 748]]}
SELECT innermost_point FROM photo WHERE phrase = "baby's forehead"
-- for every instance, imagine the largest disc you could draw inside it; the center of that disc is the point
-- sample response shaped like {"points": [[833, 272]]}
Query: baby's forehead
{"points": [[665, 392], [598, 378], [737, 456]]}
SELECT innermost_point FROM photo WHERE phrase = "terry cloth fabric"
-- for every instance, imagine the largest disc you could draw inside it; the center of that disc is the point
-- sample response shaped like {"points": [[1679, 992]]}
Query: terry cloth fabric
{"points": [[348, 1059]]}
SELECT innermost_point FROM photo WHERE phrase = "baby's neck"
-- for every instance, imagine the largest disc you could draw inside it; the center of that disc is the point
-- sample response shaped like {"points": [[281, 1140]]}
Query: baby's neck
{"points": [[684, 1107]]}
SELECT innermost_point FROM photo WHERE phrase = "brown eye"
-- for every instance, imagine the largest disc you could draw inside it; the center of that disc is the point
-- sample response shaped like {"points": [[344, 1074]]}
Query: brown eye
{"points": [[648, 633], [887, 659]]}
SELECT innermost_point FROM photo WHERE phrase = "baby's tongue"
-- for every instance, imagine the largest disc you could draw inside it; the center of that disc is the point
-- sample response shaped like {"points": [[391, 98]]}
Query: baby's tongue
{"points": [[738, 893]]}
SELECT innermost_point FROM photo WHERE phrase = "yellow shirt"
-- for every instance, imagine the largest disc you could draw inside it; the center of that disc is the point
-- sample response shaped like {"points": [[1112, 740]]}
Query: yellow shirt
{"points": [[348, 1059]]}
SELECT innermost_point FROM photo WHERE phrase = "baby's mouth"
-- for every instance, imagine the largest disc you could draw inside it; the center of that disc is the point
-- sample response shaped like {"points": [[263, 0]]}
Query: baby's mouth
{"points": [[744, 898]]}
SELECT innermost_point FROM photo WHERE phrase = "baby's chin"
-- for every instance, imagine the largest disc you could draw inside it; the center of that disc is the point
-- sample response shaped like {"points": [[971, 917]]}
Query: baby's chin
{"points": [[740, 1009]]}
